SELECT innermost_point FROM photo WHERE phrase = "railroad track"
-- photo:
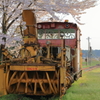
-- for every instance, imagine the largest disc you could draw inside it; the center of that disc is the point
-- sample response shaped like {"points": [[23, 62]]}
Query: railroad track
{"points": [[91, 68]]}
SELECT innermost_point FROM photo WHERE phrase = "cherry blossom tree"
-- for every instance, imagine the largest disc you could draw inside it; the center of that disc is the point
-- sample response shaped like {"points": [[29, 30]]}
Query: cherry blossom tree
{"points": [[10, 19], [11, 11], [68, 7]]}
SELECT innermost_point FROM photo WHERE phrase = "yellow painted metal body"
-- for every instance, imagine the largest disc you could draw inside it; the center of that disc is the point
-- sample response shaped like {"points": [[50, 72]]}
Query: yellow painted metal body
{"points": [[32, 68], [2, 81], [33, 73], [30, 19], [30, 34]]}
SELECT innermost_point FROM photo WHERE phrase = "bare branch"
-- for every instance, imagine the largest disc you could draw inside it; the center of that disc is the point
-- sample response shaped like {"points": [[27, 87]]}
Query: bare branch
{"points": [[16, 18], [13, 12]]}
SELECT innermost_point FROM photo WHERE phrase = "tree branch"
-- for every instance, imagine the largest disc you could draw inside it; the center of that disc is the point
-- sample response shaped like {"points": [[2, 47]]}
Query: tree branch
{"points": [[13, 12], [16, 18], [13, 21], [3, 20]]}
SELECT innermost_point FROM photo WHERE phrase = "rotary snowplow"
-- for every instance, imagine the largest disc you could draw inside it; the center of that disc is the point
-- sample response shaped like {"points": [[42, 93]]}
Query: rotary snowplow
{"points": [[48, 62]]}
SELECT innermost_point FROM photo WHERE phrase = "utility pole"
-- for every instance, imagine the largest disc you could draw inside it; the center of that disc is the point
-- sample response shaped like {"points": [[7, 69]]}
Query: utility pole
{"points": [[88, 54]]}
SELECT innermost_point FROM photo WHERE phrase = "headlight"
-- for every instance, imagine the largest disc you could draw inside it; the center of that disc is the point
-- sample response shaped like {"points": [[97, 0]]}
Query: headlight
{"points": [[39, 26]]}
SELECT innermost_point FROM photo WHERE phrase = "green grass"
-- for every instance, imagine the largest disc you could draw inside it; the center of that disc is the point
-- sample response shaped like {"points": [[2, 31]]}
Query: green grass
{"points": [[14, 97], [86, 88], [93, 63]]}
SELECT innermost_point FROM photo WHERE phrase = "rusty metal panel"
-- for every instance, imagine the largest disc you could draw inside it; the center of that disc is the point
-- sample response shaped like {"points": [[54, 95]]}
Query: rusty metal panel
{"points": [[68, 42], [40, 68], [32, 68], [2, 82], [57, 25], [30, 19], [62, 75], [20, 68]]}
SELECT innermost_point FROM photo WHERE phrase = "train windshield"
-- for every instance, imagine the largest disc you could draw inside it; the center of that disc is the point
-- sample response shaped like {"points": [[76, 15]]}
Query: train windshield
{"points": [[56, 33]]}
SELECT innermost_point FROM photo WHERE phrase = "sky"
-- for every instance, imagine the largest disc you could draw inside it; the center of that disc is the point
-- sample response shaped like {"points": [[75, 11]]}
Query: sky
{"points": [[91, 28]]}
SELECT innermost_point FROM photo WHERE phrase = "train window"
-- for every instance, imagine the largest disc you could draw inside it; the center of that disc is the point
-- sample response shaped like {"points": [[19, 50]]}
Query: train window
{"points": [[68, 33], [48, 34], [52, 34], [56, 33]]}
